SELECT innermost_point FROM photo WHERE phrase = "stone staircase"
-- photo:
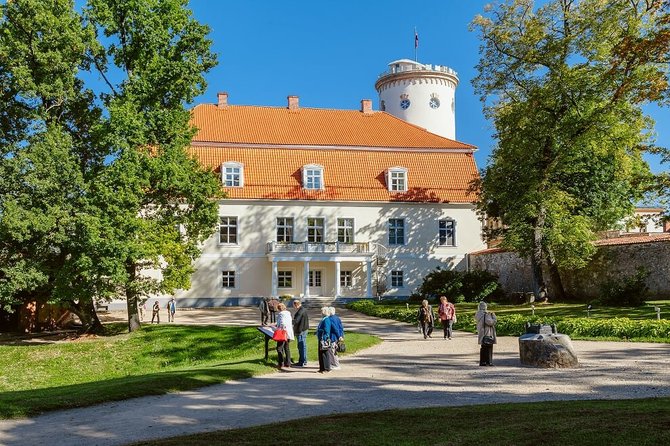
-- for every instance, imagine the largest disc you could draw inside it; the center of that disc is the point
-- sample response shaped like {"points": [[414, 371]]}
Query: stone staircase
{"points": [[320, 301]]}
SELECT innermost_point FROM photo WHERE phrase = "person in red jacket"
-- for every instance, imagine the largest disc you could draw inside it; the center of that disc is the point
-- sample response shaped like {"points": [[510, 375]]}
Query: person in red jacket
{"points": [[447, 313]]}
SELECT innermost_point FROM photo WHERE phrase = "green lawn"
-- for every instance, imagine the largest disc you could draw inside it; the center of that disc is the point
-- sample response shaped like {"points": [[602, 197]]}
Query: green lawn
{"points": [[36, 377], [585, 423]]}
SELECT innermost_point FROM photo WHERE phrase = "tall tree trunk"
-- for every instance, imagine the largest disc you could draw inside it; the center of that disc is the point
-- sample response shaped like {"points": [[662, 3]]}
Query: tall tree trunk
{"points": [[555, 281], [536, 258], [132, 298], [85, 311]]}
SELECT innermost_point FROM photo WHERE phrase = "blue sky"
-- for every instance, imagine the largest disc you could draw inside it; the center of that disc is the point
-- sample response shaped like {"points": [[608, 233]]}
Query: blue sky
{"points": [[330, 53]]}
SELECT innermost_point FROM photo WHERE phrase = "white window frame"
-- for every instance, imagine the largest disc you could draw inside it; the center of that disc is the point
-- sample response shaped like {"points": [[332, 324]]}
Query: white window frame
{"points": [[323, 229], [395, 275], [285, 226], [311, 173], [234, 277], [397, 179], [343, 275], [236, 170], [404, 232], [237, 230], [440, 230], [345, 228], [290, 277]]}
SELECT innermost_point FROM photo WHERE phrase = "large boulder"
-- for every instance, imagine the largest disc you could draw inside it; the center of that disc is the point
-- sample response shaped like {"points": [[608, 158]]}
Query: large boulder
{"points": [[547, 350]]}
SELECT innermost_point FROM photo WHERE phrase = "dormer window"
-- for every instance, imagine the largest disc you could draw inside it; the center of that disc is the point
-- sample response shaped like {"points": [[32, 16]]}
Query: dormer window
{"points": [[396, 179], [232, 174], [312, 177]]}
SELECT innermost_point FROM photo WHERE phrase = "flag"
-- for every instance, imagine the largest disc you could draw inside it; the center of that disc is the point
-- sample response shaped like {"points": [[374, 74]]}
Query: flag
{"points": [[416, 40]]}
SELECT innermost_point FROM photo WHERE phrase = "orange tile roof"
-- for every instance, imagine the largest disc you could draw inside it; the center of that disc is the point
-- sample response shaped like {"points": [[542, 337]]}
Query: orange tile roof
{"points": [[645, 237], [239, 124], [349, 175]]}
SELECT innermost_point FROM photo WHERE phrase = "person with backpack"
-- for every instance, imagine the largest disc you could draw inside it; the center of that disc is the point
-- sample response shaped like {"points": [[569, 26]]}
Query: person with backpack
{"points": [[486, 333], [426, 319]]}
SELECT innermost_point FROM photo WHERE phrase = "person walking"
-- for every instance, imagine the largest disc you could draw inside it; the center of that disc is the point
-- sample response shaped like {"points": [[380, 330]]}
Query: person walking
{"points": [[171, 309], [336, 336], [156, 313], [285, 321], [426, 319], [486, 333], [300, 328], [447, 313], [143, 310], [264, 308], [273, 305], [323, 331]]}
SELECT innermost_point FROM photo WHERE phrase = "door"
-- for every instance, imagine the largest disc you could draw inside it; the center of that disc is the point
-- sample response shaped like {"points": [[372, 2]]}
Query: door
{"points": [[315, 282]]}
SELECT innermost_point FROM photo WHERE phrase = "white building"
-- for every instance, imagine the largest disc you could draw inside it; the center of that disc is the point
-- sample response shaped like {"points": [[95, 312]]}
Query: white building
{"points": [[321, 202]]}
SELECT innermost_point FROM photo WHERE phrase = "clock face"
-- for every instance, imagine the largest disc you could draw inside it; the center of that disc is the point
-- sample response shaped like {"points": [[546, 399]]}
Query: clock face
{"points": [[404, 104], [434, 103]]}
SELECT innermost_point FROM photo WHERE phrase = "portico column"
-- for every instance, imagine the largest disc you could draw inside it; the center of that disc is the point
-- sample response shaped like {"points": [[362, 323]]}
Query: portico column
{"points": [[305, 282], [337, 279], [369, 271], [274, 278]]}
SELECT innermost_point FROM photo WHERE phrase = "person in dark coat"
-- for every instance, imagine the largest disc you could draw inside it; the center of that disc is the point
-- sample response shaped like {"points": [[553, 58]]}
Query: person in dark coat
{"points": [[300, 328], [273, 305], [264, 308]]}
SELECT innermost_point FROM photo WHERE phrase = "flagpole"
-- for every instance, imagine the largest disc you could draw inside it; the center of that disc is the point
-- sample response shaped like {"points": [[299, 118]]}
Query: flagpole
{"points": [[416, 44]]}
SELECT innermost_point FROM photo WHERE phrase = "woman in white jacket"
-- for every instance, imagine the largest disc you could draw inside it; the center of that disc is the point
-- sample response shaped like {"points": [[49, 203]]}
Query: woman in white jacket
{"points": [[285, 321]]}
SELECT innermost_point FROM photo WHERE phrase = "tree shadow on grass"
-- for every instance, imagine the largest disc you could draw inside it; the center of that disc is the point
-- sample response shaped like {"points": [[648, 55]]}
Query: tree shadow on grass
{"points": [[35, 401]]}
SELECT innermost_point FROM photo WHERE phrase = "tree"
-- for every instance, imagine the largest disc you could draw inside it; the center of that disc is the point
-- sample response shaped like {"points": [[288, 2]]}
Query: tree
{"points": [[96, 184], [564, 84]]}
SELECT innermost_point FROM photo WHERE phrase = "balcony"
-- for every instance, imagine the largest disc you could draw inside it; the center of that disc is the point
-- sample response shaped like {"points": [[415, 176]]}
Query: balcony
{"points": [[321, 248]]}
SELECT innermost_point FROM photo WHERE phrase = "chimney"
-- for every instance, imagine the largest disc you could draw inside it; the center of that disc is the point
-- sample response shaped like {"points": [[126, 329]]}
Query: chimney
{"points": [[222, 100], [292, 102], [366, 106]]}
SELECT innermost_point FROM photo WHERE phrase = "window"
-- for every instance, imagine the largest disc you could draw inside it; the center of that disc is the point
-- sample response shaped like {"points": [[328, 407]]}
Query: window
{"points": [[232, 174], [396, 179], [345, 279], [447, 233], [228, 279], [396, 231], [284, 229], [284, 279], [397, 279], [315, 230], [312, 177], [345, 230], [228, 230]]}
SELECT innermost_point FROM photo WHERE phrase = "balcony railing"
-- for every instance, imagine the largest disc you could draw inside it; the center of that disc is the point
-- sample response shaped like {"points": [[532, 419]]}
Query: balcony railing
{"points": [[324, 247]]}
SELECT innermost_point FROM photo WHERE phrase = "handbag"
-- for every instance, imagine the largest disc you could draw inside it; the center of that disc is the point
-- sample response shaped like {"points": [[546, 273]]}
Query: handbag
{"points": [[487, 340], [341, 346], [324, 344], [280, 335]]}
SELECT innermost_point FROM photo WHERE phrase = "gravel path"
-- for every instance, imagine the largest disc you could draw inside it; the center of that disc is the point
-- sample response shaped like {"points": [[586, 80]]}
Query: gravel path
{"points": [[403, 371]]}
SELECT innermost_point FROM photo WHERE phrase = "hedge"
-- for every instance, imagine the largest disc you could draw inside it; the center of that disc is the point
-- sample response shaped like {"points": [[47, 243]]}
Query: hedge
{"points": [[514, 324]]}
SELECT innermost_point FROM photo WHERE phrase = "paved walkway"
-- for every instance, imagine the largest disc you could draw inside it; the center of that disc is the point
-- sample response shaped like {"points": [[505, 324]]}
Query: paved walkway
{"points": [[404, 371]]}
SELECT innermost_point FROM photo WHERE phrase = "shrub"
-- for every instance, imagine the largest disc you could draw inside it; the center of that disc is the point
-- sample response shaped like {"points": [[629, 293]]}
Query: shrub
{"points": [[478, 285], [515, 324], [442, 282], [626, 291]]}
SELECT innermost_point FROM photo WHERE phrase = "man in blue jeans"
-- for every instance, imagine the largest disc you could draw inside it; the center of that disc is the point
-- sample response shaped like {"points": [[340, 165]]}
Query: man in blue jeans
{"points": [[300, 327]]}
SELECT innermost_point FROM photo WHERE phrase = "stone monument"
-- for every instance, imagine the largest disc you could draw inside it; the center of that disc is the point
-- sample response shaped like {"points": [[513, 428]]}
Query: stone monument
{"points": [[542, 346]]}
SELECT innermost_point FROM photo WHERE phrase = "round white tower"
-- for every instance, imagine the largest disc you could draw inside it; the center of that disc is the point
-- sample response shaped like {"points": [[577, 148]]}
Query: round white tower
{"points": [[421, 94]]}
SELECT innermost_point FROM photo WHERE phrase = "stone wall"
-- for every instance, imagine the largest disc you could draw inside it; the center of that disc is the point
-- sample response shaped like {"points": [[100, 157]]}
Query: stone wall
{"points": [[610, 262]]}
